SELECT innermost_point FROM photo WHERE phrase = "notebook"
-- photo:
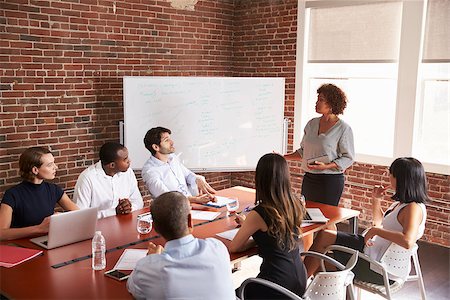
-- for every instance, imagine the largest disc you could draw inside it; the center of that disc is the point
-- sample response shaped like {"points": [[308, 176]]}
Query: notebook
{"points": [[314, 215], [11, 256], [220, 202], [69, 227]]}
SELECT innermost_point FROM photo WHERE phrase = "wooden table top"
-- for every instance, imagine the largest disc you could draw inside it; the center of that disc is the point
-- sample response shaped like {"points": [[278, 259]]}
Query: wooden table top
{"points": [[37, 278]]}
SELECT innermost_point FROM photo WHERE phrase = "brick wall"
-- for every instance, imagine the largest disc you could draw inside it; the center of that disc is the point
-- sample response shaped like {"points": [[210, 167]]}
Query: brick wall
{"points": [[62, 64]]}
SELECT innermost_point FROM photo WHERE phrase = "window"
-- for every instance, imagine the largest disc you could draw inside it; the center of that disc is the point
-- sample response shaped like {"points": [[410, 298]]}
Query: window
{"points": [[372, 51]]}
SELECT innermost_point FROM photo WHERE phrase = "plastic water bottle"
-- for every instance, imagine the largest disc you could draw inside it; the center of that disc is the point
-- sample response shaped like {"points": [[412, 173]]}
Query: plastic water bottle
{"points": [[98, 251]]}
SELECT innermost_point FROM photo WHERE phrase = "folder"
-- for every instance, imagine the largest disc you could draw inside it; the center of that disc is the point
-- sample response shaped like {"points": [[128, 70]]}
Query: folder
{"points": [[11, 256]]}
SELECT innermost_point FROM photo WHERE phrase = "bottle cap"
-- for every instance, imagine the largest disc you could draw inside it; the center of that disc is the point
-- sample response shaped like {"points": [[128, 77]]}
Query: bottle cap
{"points": [[98, 232]]}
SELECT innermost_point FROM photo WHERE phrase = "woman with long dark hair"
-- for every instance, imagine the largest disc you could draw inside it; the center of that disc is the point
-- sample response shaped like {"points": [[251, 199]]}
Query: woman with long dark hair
{"points": [[403, 223], [274, 225]]}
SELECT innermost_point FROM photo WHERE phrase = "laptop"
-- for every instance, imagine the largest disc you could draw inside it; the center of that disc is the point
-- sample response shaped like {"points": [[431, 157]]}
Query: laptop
{"points": [[314, 215], [69, 227]]}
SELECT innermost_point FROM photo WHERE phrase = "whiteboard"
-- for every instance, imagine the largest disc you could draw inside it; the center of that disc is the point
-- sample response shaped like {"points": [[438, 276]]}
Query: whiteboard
{"points": [[217, 123]]}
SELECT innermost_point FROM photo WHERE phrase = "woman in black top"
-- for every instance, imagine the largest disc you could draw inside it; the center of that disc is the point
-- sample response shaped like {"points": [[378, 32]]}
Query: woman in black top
{"points": [[26, 208], [274, 225]]}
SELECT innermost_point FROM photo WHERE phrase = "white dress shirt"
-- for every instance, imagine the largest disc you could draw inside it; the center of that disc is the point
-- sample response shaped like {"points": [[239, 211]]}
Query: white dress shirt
{"points": [[161, 177], [189, 268], [94, 188]]}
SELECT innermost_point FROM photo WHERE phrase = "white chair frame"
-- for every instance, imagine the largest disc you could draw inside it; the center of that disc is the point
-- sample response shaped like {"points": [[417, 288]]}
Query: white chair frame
{"points": [[394, 260], [322, 286]]}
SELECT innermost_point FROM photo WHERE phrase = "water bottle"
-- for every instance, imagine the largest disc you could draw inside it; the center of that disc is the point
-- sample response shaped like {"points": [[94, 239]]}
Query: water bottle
{"points": [[98, 251]]}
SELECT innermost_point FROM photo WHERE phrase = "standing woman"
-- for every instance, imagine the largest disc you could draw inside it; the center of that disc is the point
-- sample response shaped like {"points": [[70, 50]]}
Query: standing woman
{"points": [[274, 225], [326, 149], [26, 207]]}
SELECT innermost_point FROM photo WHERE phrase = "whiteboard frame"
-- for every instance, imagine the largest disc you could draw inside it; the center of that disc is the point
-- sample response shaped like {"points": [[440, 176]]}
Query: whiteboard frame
{"points": [[283, 137]]}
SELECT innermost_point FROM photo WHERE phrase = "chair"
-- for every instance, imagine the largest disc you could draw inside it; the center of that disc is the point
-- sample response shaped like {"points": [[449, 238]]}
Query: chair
{"points": [[394, 265], [331, 285], [326, 285], [284, 291]]}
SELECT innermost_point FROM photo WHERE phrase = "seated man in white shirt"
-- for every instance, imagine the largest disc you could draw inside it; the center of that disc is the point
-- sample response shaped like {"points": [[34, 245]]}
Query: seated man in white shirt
{"points": [[109, 184], [187, 268], [163, 172]]}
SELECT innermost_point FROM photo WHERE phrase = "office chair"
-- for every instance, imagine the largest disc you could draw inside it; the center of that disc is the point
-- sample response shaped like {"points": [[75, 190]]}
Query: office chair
{"points": [[395, 261]]}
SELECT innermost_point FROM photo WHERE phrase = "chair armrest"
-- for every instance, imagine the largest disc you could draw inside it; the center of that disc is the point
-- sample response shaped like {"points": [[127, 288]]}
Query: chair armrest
{"points": [[324, 258], [362, 256], [267, 283]]}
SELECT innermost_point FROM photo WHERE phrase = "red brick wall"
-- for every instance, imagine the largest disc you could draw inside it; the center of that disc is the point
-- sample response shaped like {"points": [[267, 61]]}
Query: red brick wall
{"points": [[62, 64]]}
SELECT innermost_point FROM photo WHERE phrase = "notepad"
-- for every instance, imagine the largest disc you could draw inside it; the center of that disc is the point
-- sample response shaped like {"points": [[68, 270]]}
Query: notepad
{"points": [[230, 234], [221, 202], [11, 256], [129, 259], [204, 215]]}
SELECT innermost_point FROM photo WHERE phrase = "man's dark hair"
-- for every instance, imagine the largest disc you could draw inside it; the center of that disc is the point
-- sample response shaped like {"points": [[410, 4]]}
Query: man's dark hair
{"points": [[170, 215], [108, 152], [153, 136]]}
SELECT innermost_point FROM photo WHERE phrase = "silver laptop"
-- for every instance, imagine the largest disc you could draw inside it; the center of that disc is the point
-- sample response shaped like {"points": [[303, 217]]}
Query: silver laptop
{"points": [[69, 227], [314, 215]]}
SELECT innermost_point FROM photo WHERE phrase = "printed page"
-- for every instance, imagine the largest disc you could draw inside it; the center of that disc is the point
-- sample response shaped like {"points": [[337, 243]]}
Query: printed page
{"points": [[204, 215], [129, 258]]}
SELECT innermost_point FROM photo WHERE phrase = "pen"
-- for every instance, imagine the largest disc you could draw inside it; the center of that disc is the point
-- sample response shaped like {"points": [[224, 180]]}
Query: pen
{"points": [[246, 209]]}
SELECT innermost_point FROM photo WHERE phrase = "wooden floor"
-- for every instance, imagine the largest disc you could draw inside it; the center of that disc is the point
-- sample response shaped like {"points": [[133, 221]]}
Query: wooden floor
{"points": [[435, 265]]}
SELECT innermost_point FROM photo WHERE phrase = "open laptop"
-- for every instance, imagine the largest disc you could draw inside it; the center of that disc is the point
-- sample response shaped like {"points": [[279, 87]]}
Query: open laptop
{"points": [[69, 227], [314, 215]]}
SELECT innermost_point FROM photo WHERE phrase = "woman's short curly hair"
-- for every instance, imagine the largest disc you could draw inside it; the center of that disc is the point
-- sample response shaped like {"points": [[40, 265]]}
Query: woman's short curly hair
{"points": [[334, 96]]}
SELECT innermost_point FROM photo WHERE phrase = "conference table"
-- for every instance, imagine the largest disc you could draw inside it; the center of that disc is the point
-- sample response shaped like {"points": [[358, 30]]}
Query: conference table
{"points": [[66, 273]]}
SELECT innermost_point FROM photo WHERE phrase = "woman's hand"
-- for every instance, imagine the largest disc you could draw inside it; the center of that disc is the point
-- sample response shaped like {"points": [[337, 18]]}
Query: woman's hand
{"points": [[379, 191], [373, 231], [239, 218], [318, 165], [45, 224]]}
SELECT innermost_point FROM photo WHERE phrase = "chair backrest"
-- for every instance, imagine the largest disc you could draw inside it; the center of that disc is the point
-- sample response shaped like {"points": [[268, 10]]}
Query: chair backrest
{"points": [[397, 260], [287, 294], [331, 285]]}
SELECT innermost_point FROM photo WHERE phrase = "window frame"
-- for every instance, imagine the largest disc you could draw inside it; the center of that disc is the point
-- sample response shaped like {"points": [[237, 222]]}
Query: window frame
{"points": [[409, 63]]}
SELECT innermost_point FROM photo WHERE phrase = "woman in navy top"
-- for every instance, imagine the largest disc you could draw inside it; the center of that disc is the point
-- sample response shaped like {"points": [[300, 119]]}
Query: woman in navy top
{"points": [[274, 225], [26, 208]]}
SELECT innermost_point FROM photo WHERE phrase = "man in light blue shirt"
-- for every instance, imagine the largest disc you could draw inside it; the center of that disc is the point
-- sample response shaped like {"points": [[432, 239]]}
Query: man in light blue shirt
{"points": [[187, 268], [163, 172]]}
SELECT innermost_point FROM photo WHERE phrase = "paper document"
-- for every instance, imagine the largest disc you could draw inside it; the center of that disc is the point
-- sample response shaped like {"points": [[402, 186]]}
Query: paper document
{"points": [[129, 258], [229, 234], [221, 202], [204, 215]]}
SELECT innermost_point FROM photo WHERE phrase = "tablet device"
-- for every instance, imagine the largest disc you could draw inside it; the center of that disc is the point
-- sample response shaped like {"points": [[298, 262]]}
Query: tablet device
{"points": [[313, 161]]}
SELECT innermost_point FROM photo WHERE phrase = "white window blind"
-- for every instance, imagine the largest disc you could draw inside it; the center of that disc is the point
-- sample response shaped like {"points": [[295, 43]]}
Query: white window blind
{"points": [[357, 33], [437, 32]]}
